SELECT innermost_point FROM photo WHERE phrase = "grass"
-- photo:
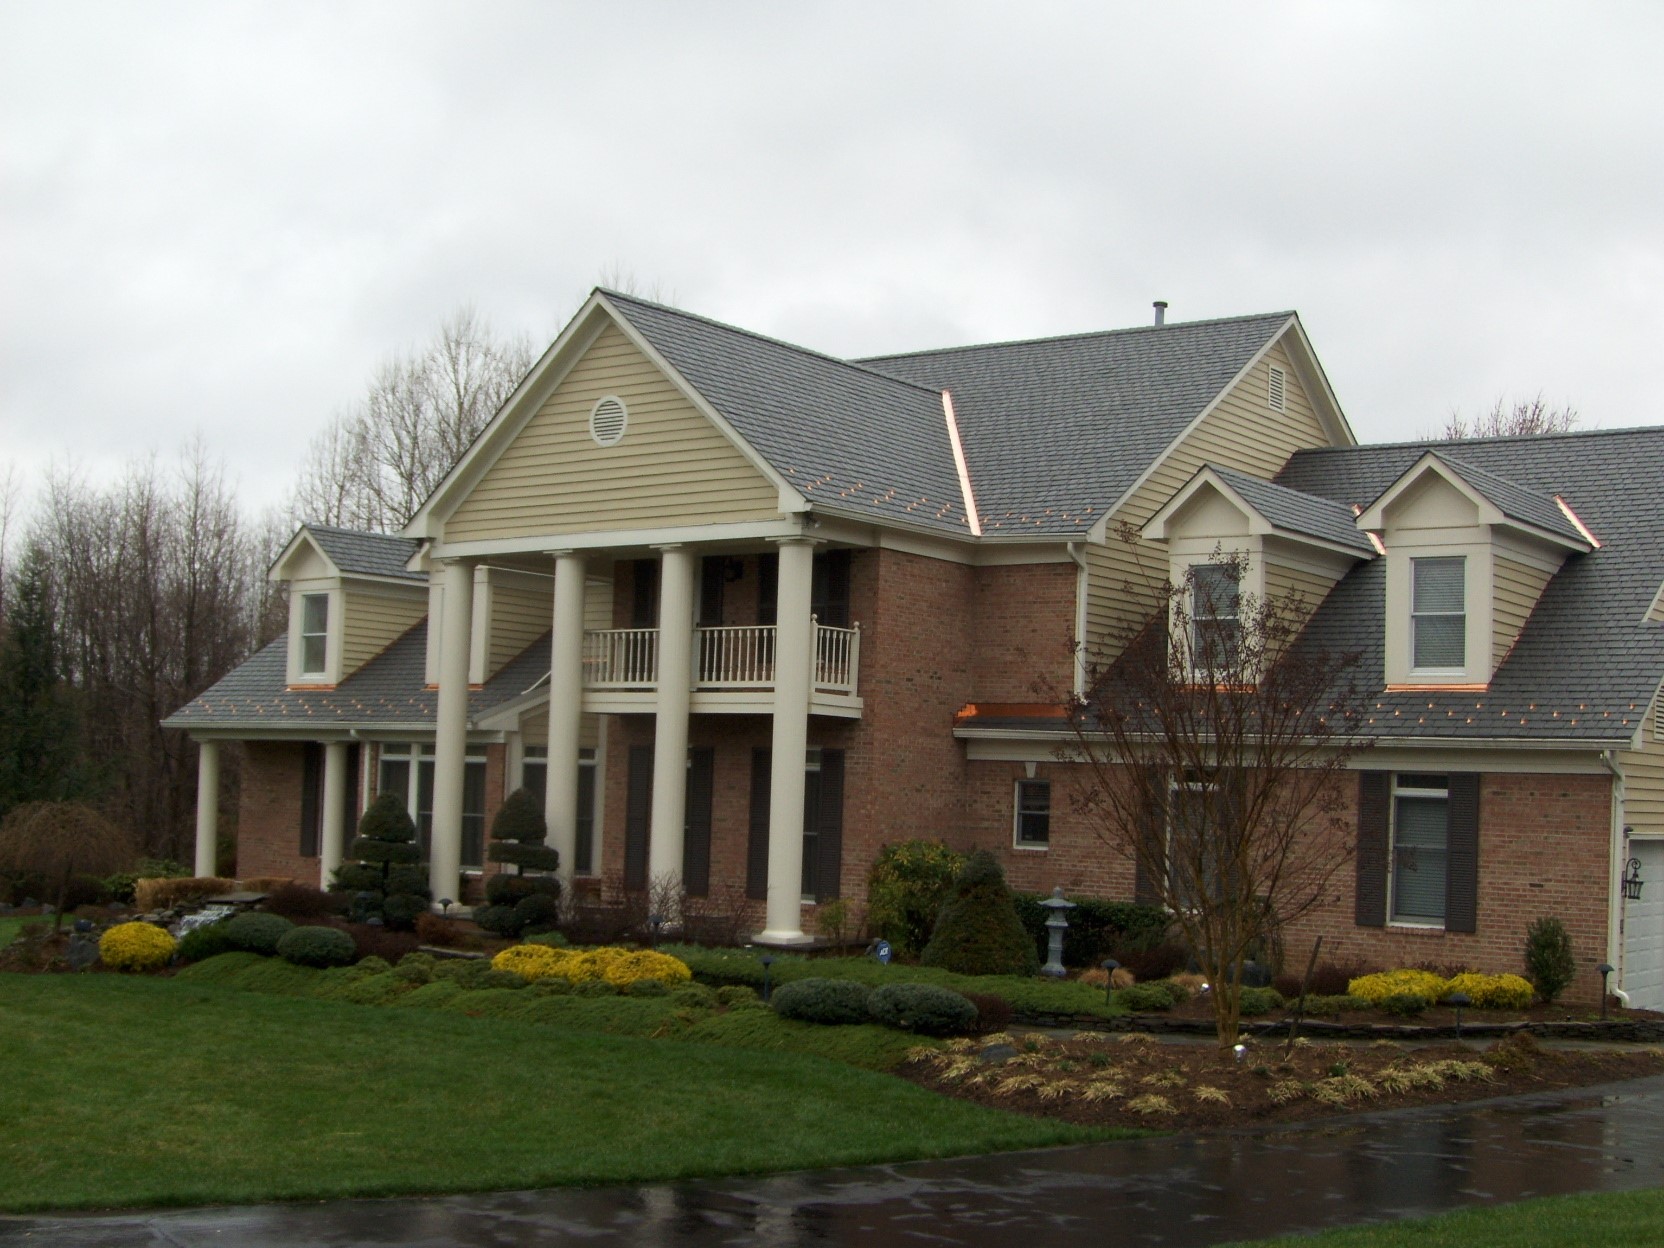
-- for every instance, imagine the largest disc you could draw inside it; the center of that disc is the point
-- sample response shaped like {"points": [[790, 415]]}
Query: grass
{"points": [[125, 1091], [1593, 1220], [12, 924]]}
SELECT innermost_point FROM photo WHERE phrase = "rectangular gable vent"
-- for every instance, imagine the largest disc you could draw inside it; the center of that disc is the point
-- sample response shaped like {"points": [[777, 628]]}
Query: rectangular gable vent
{"points": [[1278, 390]]}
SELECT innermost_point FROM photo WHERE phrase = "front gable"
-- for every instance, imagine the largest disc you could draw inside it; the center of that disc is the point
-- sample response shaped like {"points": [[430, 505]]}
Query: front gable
{"points": [[672, 465]]}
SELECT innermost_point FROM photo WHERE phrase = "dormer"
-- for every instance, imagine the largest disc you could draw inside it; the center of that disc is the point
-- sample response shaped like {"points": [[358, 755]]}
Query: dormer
{"points": [[1468, 553], [351, 595], [1293, 546]]}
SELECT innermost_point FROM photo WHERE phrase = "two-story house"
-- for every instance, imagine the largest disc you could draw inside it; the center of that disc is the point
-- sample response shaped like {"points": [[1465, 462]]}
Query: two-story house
{"points": [[743, 613]]}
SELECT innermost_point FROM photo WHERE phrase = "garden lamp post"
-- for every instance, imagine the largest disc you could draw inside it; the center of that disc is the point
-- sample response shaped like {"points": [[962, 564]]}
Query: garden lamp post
{"points": [[445, 904], [654, 923], [1056, 925], [1110, 966], [768, 961], [1605, 969], [1457, 1000]]}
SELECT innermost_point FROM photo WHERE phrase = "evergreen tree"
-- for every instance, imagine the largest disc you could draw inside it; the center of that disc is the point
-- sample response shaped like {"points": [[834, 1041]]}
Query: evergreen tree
{"points": [[39, 730]]}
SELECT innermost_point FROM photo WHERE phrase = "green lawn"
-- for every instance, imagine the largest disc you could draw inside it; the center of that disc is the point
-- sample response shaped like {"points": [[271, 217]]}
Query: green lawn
{"points": [[12, 924], [1617, 1220], [132, 1091]]}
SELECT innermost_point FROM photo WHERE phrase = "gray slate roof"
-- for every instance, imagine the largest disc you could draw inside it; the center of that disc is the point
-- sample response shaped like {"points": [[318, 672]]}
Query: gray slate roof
{"points": [[389, 690], [1588, 662], [1057, 430], [367, 554], [1297, 512], [1513, 501]]}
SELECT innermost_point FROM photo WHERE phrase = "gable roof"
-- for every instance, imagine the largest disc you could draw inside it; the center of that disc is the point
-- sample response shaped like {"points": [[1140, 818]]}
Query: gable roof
{"points": [[1057, 430], [1588, 662], [357, 553], [1285, 510], [1514, 502]]}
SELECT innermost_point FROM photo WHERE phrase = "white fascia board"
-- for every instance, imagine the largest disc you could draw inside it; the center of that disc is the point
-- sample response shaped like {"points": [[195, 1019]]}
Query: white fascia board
{"points": [[302, 537], [1372, 518], [1100, 531], [791, 499], [506, 716], [401, 582], [1155, 528], [621, 539]]}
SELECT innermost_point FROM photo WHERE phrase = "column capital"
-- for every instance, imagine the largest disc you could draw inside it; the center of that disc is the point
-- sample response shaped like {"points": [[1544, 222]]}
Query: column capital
{"points": [[798, 539], [667, 546]]}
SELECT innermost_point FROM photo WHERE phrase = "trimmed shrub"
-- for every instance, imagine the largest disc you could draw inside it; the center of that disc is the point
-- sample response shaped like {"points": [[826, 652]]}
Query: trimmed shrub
{"points": [[356, 877], [531, 962], [504, 889], [539, 912], [833, 1002], [1378, 987], [992, 1013], [1141, 998], [923, 1008], [1255, 1001], [1548, 957], [1492, 992], [1404, 1004], [201, 943], [297, 901], [135, 947], [255, 932], [498, 920], [907, 887], [1096, 928], [316, 946], [401, 910], [518, 833], [978, 932]]}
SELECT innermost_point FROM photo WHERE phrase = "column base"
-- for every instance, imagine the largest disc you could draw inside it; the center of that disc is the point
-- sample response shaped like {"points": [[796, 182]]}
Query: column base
{"points": [[783, 939]]}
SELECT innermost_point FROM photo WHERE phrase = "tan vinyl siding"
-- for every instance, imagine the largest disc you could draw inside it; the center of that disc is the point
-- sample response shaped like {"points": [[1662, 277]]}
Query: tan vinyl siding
{"points": [[373, 618], [1284, 582], [1241, 432], [519, 616], [534, 729], [1515, 588], [598, 605], [673, 466], [1644, 776]]}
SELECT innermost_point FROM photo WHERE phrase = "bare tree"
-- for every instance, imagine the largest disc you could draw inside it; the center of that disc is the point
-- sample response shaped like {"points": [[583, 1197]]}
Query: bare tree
{"points": [[61, 840], [373, 465], [1215, 745], [1507, 420]]}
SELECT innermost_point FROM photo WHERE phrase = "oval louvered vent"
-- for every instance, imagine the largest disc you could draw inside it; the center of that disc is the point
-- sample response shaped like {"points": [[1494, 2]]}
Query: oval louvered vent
{"points": [[607, 420]]}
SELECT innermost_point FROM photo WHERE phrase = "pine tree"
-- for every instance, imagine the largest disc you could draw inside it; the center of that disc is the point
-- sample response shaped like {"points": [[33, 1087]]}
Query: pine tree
{"points": [[39, 730]]}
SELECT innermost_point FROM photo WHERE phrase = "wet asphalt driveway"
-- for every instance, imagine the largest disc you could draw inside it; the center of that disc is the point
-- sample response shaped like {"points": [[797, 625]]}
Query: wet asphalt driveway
{"points": [[1177, 1191]]}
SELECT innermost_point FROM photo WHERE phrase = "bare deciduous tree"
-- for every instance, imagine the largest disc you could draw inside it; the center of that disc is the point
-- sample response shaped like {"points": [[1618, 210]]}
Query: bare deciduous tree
{"points": [[61, 840], [1507, 420], [1216, 746]]}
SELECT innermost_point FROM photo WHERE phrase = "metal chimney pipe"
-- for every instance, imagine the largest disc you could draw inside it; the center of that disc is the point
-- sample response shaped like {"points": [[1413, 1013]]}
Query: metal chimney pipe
{"points": [[1161, 311]]}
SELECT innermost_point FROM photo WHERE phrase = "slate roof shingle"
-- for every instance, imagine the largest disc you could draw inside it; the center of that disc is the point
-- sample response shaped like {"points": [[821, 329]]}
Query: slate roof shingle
{"points": [[367, 554], [1298, 512]]}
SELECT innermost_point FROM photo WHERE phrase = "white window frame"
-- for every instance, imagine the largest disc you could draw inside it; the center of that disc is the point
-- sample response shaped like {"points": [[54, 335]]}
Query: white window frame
{"points": [[300, 592], [1195, 575], [1018, 811], [1422, 792], [1416, 616], [417, 753]]}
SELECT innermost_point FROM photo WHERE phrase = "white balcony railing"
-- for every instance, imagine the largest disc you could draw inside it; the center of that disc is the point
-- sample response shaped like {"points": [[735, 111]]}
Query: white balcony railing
{"points": [[724, 658]]}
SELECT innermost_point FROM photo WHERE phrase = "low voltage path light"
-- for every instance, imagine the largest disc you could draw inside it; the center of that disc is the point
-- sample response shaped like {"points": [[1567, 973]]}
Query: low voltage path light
{"points": [[1457, 1000], [768, 961], [1605, 969], [654, 923], [1110, 966], [445, 904], [1056, 925]]}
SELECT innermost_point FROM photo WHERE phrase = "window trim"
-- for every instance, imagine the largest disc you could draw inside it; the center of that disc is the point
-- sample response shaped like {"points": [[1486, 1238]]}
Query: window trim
{"points": [[1397, 789], [1018, 811], [1194, 575], [414, 754], [1464, 614]]}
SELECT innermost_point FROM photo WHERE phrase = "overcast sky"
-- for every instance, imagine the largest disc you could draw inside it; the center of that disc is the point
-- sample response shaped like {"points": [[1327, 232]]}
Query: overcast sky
{"points": [[219, 217]]}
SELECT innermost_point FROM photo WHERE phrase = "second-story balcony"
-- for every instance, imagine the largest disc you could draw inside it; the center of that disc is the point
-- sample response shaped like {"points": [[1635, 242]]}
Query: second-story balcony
{"points": [[731, 660]]}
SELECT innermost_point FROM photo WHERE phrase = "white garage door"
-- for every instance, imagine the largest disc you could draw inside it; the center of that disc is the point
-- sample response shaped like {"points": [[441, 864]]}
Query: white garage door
{"points": [[1644, 931]]}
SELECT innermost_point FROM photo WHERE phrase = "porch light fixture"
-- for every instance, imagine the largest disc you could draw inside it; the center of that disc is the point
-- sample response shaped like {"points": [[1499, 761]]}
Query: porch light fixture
{"points": [[1632, 880], [1110, 966], [1605, 969]]}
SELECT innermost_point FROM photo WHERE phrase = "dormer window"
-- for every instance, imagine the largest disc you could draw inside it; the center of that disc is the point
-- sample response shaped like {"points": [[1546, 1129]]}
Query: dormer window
{"points": [[1438, 614], [314, 634], [1215, 619]]}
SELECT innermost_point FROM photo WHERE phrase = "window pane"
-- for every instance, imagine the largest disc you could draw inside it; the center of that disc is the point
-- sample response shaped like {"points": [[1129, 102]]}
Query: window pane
{"points": [[1034, 812], [395, 779], [314, 651], [473, 815], [314, 613], [1215, 591], [1438, 585], [1420, 829], [1441, 640]]}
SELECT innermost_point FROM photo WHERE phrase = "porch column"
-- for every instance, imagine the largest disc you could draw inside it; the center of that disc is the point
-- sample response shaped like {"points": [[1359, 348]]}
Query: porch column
{"points": [[793, 641], [207, 806], [450, 745], [670, 725], [566, 698], [335, 815]]}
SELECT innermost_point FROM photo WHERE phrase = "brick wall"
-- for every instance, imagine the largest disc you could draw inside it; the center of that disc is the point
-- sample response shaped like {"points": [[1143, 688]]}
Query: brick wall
{"points": [[268, 820], [1023, 647]]}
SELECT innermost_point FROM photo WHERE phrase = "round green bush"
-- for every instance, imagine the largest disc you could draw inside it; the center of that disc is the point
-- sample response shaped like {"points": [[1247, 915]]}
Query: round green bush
{"points": [[1255, 1001], [833, 1002], [498, 920], [1141, 998], [737, 994], [316, 946], [924, 1008], [519, 818], [203, 942], [386, 820], [535, 913], [256, 932], [401, 910], [695, 996]]}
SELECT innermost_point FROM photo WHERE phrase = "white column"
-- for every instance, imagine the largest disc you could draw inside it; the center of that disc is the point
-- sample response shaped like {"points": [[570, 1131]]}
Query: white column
{"points": [[793, 643], [335, 818], [207, 806], [670, 726], [566, 699], [450, 746]]}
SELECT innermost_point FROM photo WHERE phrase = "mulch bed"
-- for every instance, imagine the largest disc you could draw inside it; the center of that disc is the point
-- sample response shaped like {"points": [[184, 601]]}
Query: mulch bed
{"points": [[1134, 1080]]}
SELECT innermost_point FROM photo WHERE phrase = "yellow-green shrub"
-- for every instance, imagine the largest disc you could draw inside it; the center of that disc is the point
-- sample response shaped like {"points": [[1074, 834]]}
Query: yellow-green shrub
{"points": [[1377, 988], [135, 947], [1493, 992], [531, 962], [634, 965], [618, 967]]}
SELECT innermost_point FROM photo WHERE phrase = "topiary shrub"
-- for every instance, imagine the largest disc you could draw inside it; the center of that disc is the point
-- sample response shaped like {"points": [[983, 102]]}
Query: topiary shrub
{"points": [[385, 866], [1548, 958], [255, 932], [833, 1002], [537, 913], [907, 887], [924, 1008], [978, 932], [518, 836], [135, 947], [1141, 998], [204, 942], [316, 946], [401, 910]]}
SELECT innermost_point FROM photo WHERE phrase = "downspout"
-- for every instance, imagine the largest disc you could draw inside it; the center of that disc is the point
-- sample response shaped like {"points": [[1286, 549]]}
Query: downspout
{"points": [[1617, 852], [1077, 552]]}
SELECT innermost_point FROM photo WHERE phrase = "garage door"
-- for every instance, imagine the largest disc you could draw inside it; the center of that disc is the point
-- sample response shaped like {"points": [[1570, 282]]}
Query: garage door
{"points": [[1644, 931]]}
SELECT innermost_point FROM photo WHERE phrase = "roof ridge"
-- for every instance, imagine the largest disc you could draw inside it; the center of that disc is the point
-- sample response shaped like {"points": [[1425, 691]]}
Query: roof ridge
{"points": [[1078, 337], [338, 528], [772, 341], [1433, 444]]}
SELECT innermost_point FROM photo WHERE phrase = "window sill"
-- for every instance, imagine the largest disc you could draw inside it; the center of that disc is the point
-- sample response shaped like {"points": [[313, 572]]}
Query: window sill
{"points": [[1033, 849], [1409, 925]]}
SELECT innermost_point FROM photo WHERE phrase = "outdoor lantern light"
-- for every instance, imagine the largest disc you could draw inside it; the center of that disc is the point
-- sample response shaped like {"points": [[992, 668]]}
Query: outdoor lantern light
{"points": [[1632, 880], [1605, 969], [1456, 1001], [768, 961], [1110, 966]]}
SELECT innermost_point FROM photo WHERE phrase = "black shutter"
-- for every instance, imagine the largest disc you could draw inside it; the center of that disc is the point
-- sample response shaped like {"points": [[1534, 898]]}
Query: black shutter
{"points": [[696, 833], [349, 799], [756, 850], [713, 570], [829, 843], [1154, 848], [311, 794], [768, 589], [638, 815], [1374, 811], [644, 605], [829, 589], [1461, 880]]}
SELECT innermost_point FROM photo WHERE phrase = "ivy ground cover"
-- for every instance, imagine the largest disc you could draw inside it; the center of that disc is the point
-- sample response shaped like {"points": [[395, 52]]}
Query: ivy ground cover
{"points": [[124, 1091]]}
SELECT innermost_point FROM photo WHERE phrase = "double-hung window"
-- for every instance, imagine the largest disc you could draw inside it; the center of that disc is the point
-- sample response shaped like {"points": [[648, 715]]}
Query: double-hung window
{"points": [[1438, 614], [1215, 617], [314, 634], [1034, 814], [534, 778], [407, 771], [1420, 847]]}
